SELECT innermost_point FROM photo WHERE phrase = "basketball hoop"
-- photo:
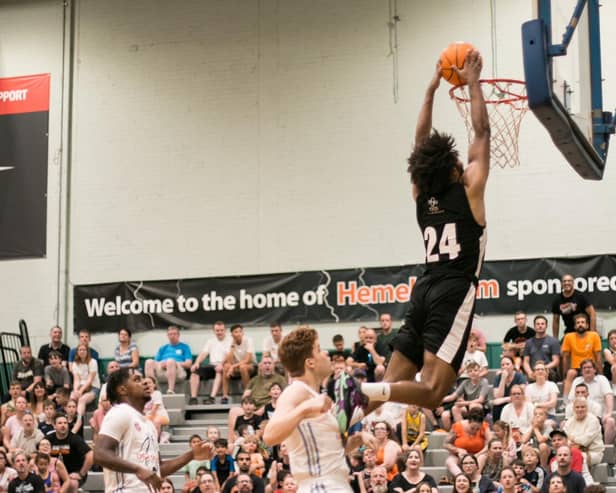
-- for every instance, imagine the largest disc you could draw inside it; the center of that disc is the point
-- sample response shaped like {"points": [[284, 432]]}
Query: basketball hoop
{"points": [[506, 103]]}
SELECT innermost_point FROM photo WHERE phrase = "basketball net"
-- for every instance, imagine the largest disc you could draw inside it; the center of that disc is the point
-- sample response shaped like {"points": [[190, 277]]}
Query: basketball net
{"points": [[506, 103]]}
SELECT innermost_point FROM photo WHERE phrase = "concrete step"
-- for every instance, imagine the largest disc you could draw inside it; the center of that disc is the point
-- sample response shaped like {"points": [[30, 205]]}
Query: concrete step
{"points": [[175, 400], [435, 457], [436, 440], [600, 473]]}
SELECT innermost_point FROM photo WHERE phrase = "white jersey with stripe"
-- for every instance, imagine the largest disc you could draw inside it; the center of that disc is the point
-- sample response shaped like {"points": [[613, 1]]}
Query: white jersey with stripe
{"points": [[137, 443], [316, 453]]}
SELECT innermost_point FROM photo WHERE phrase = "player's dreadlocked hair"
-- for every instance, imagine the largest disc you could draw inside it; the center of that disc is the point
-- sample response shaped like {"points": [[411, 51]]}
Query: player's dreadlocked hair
{"points": [[431, 163]]}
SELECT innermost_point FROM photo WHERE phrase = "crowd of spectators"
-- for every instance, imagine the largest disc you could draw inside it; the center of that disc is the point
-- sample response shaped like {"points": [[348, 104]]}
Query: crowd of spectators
{"points": [[540, 423]]}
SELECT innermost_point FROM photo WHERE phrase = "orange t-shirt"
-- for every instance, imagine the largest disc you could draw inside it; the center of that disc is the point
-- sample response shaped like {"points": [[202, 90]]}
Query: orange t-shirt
{"points": [[581, 348], [471, 443], [380, 457]]}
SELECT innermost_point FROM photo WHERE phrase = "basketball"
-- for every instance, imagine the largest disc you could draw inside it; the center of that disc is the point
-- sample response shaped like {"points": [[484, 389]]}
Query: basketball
{"points": [[454, 54]]}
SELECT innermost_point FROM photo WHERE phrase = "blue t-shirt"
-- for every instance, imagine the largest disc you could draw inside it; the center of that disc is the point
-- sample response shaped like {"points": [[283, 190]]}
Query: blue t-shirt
{"points": [[180, 352]]}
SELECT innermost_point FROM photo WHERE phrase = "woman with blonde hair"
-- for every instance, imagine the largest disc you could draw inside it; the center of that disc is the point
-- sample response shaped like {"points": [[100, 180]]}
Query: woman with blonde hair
{"points": [[86, 383]]}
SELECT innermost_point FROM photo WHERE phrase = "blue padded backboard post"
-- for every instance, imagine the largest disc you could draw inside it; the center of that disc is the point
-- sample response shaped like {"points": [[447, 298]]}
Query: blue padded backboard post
{"points": [[587, 159]]}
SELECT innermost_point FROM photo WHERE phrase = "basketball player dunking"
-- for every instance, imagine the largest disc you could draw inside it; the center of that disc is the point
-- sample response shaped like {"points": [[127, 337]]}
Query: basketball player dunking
{"points": [[452, 218], [304, 419]]}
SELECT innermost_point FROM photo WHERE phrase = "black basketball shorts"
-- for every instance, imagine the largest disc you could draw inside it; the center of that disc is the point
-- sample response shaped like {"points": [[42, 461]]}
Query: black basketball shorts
{"points": [[438, 320]]}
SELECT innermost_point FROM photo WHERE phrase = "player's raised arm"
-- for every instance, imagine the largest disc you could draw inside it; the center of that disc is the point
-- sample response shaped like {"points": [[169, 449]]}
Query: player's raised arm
{"points": [[424, 121], [476, 174]]}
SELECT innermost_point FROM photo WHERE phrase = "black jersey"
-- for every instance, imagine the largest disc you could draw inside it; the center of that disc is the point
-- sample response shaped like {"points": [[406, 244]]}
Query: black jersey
{"points": [[454, 242]]}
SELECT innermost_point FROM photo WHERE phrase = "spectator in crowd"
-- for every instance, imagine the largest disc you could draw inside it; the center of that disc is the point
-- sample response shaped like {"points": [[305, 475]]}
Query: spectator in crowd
{"points": [[520, 332], [339, 349], [112, 366], [190, 469], [28, 370], [493, 464], [412, 474], [544, 348], [557, 484], [387, 449], [599, 393], [609, 358], [519, 412], [505, 379], [534, 472], [471, 393], [166, 486], [75, 420], [243, 465], [126, 353], [55, 344], [581, 390], [8, 408], [584, 432], [55, 465], [171, 361], [239, 361], [461, 483], [386, 336], [259, 386], [574, 482], [14, 424], [25, 480], [473, 353], [271, 342], [478, 482], [86, 383], [542, 393], [567, 305], [378, 480], [507, 479], [26, 439], [538, 436], [469, 436], [50, 478], [56, 374], [38, 396], [207, 483], [578, 346], [97, 417], [502, 431], [368, 357], [216, 348], [577, 458], [76, 455], [247, 417], [413, 429], [222, 463], [84, 339], [62, 397], [361, 332], [155, 410], [49, 408], [7, 473]]}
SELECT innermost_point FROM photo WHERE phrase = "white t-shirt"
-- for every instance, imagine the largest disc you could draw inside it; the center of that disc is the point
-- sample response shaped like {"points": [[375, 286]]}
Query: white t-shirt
{"points": [[478, 356], [536, 394], [239, 351], [271, 347], [217, 350], [598, 388], [81, 371], [524, 421], [138, 443]]}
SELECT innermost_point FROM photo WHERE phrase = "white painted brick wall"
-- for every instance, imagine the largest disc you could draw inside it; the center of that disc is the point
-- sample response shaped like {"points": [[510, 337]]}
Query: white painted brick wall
{"points": [[239, 137]]}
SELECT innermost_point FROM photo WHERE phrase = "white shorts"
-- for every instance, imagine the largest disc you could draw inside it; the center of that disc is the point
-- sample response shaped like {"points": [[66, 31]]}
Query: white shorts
{"points": [[325, 484]]}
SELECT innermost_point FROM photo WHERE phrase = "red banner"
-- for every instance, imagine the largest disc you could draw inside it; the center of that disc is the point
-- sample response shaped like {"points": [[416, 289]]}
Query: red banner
{"points": [[26, 94]]}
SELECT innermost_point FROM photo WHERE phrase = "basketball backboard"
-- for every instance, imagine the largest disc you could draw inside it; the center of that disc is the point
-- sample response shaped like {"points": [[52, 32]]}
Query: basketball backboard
{"points": [[562, 65]]}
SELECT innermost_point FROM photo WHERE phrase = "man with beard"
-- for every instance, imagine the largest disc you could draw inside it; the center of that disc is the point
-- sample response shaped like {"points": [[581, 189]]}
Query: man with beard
{"points": [[243, 464], [578, 346], [127, 444], [378, 480], [568, 304]]}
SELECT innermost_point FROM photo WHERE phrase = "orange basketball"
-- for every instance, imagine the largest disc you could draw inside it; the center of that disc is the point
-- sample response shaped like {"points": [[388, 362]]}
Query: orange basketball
{"points": [[454, 54]]}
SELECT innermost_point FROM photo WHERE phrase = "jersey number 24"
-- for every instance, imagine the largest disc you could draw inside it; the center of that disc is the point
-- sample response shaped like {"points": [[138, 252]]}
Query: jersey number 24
{"points": [[446, 244]]}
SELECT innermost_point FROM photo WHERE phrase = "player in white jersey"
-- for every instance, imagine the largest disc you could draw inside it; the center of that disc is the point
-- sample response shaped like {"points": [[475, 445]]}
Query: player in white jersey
{"points": [[304, 420], [127, 444]]}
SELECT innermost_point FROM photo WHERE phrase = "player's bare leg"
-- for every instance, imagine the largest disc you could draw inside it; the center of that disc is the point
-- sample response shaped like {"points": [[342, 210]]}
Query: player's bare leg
{"points": [[437, 378], [399, 369]]}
